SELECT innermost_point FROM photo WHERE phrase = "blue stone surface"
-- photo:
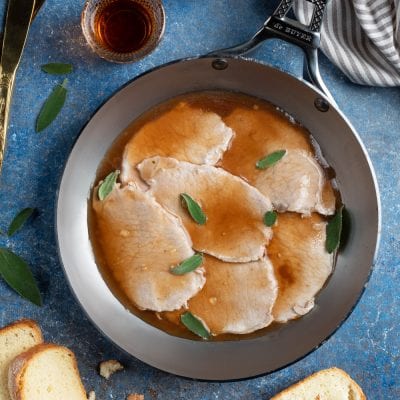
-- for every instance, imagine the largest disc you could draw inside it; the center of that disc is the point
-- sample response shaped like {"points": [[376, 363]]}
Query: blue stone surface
{"points": [[368, 343]]}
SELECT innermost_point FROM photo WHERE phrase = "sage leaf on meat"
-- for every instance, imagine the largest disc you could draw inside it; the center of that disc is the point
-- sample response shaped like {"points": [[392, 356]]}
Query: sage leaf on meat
{"points": [[52, 106], [15, 271], [333, 231], [195, 325], [270, 160], [57, 68], [188, 265], [270, 218], [19, 220], [194, 209], [107, 185]]}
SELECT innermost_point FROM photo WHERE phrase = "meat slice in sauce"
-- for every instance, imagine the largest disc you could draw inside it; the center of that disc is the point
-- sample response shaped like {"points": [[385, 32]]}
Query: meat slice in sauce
{"points": [[301, 263], [237, 298], [297, 182], [140, 242], [185, 133], [234, 230]]}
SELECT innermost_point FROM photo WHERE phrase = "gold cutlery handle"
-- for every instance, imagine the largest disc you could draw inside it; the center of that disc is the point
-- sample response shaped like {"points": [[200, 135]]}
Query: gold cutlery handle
{"points": [[6, 83]]}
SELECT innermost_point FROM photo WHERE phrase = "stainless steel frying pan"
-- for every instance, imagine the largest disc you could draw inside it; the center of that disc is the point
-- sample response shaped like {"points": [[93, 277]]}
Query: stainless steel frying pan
{"points": [[310, 103]]}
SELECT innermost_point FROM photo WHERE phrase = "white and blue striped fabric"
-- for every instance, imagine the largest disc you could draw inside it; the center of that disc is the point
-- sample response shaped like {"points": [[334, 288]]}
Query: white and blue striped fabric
{"points": [[362, 37]]}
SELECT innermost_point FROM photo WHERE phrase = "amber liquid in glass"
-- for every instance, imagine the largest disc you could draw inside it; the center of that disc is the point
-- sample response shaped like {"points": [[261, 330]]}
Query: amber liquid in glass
{"points": [[123, 26]]}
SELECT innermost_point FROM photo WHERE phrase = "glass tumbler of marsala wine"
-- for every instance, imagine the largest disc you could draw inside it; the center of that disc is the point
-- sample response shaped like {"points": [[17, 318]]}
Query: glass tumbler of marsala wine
{"points": [[123, 30]]}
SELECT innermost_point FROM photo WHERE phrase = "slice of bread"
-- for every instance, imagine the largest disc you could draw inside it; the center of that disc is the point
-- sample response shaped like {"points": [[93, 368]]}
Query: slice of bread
{"points": [[15, 338], [328, 384], [45, 372]]}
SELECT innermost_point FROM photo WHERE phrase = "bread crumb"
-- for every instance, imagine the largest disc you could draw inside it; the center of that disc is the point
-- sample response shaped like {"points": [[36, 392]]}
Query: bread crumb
{"points": [[92, 395], [135, 396], [107, 368]]}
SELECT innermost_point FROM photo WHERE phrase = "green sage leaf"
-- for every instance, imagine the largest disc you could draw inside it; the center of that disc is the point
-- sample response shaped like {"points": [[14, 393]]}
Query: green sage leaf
{"points": [[194, 209], [19, 220], [52, 106], [270, 218], [188, 265], [194, 325], [57, 68], [15, 271], [108, 184], [333, 231], [270, 159]]}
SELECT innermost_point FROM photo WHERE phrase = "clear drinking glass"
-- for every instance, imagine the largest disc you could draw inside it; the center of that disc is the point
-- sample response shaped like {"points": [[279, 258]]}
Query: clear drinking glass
{"points": [[108, 25]]}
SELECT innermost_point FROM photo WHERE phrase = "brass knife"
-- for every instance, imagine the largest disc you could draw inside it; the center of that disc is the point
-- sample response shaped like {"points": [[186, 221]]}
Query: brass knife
{"points": [[18, 19], [38, 6]]}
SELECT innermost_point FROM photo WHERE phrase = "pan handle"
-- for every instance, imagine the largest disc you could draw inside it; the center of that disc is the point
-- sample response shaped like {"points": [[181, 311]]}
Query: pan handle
{"points": [[279, 26]]}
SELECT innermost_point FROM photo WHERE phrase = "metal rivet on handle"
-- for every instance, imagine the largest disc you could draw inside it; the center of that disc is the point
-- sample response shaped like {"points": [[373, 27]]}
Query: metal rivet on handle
{"points": [[321, 104], [220, 64]]}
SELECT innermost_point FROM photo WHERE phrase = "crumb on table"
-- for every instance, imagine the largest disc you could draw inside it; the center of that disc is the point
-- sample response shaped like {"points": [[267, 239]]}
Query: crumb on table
{"points": [[107, 368], [135, 396]]}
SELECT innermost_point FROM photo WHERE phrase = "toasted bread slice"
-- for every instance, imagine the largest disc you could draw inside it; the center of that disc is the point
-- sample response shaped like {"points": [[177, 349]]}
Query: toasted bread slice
{"points": [[45, 372], [328, 384], [15, 338]]}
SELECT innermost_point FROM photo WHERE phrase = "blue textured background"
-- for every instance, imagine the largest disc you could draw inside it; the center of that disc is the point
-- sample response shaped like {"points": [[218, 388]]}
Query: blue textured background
{"points": [[367, 345]]}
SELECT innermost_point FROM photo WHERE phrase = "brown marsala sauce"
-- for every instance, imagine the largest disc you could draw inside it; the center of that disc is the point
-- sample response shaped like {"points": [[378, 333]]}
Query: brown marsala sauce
{"points": [[123, 26], [222, 103]]}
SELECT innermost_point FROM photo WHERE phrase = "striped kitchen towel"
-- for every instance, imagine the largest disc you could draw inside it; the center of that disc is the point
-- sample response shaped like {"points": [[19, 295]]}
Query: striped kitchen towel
{"points": [[362, 37]]}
